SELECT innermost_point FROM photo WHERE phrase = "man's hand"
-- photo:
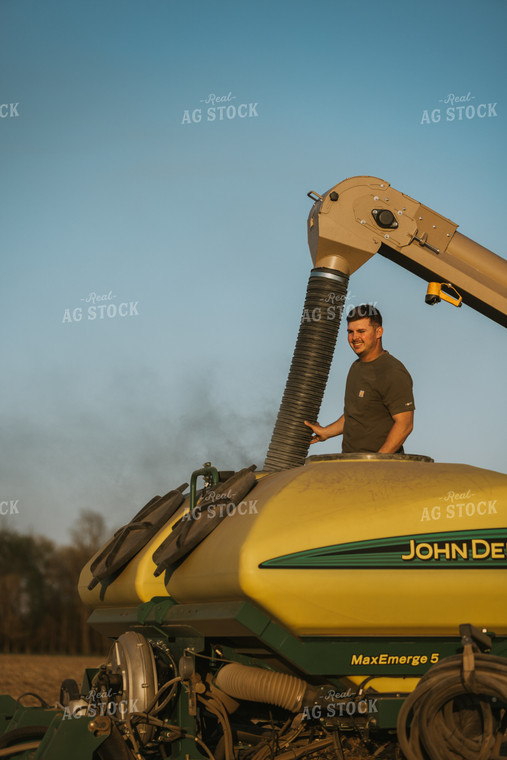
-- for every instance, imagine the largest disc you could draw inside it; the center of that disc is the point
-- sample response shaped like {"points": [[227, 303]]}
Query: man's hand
{"points": [[401, 429], [320, 432], [323, 433]]}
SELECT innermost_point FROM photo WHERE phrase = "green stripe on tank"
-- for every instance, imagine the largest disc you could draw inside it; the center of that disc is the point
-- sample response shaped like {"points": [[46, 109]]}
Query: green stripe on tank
{"points": [[453, 549]]}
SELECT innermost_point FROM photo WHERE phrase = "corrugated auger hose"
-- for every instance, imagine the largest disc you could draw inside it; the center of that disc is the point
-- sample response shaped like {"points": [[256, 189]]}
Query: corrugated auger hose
{"points": [[455, 712], [259, 685], [311, 362]]}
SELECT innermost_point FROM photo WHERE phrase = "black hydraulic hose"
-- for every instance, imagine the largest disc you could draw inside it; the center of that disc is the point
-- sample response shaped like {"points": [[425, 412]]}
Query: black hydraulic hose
{"points": [[22, 734], [443, 719], [311, 361]]}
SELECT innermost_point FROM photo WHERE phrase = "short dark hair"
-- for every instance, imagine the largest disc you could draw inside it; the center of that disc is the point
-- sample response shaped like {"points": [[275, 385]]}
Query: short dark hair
{"points": [[363, 311]]}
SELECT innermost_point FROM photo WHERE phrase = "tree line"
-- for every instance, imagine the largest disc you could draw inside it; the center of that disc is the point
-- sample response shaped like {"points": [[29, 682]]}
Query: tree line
{"points": [[40, 608]]}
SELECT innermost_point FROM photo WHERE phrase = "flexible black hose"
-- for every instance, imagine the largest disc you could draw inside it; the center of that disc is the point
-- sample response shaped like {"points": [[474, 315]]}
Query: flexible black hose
{"points": [[214, 706], [443, 719], [33, 694], [311, 361], [22, 734]]}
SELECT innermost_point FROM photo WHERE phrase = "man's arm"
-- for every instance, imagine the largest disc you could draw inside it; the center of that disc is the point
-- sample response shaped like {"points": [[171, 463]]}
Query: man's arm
{"points": [[329, 431], [401, 429]]}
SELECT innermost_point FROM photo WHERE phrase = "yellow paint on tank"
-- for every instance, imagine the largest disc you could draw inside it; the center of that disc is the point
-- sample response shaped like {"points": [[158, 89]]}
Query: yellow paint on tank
{"points": [[337, 500], [136, 582], [384, 685]]}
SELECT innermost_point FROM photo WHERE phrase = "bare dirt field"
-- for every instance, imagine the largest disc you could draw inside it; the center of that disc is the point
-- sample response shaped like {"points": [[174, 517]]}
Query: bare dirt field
{"points": [[41, 674]]}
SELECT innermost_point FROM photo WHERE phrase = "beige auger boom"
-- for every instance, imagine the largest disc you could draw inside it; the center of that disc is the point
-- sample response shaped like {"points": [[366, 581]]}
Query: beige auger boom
{"points": [[362, 216]]}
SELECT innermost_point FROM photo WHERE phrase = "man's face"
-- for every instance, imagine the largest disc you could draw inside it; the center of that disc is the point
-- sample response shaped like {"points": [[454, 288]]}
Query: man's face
{"points": [[365, 339]]}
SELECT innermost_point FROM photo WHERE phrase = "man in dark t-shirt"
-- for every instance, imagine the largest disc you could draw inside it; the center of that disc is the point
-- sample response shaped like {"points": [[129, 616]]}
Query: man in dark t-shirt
{"points": [[379, 405]]}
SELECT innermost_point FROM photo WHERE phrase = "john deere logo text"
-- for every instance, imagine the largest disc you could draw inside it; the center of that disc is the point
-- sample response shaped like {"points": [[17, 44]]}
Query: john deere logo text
{"points": [[476, 549]]}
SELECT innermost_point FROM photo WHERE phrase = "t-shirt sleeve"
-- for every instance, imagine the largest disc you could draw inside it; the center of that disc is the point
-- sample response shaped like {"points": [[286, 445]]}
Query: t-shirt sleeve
{"points": [[398, 394]]}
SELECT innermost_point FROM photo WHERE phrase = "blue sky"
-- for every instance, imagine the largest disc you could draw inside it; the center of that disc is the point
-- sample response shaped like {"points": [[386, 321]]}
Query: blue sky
{"points": [[200, 228]]}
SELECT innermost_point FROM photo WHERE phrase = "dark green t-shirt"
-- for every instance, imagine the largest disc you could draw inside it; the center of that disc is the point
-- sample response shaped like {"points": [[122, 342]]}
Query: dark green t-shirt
{"points": [[374, 392]]}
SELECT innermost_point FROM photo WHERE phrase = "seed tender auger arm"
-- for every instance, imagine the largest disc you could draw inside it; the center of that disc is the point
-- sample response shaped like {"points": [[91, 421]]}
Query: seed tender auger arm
{"points": [[365, 215], [322, 601], [352, 222]]}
